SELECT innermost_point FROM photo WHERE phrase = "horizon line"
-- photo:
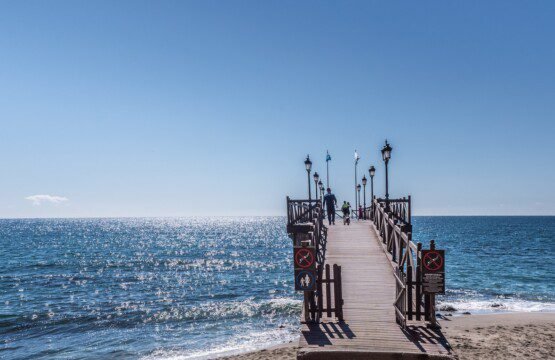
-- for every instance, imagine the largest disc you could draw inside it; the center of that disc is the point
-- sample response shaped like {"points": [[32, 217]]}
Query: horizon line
{"points": [[243, 216]]}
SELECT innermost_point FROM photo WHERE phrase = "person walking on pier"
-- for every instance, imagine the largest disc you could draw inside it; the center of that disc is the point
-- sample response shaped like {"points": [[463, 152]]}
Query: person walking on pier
{"points": [[329, 202], [346, 209]]}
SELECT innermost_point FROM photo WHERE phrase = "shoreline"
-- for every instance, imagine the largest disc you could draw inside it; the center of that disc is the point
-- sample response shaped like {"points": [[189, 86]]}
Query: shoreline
{"points": [[510, 335]]}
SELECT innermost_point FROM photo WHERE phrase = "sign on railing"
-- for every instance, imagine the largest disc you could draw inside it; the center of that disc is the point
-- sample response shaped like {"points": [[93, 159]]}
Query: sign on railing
{"points": [[433, 271], [304, 258]]}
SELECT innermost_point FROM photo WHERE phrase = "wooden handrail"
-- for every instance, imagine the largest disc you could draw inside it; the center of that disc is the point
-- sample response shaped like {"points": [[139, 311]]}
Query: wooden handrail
{"points": [[392, 219]]}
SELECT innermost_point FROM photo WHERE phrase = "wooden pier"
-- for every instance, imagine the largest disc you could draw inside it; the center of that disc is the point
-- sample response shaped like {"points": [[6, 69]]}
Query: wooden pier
{"points": [[374, 306]]}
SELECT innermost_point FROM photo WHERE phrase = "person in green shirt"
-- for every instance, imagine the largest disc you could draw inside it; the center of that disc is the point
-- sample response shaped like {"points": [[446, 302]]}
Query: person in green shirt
{"points": [[346, 209]]}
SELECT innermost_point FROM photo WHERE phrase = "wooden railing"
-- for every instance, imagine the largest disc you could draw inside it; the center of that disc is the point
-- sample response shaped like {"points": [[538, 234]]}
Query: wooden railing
{"points": [[392, 219], [305, 227], [328, 298], [303, 211]]}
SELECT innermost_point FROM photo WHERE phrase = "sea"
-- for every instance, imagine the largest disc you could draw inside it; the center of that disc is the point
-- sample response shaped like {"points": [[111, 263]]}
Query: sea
{"points": [[199, 288]]}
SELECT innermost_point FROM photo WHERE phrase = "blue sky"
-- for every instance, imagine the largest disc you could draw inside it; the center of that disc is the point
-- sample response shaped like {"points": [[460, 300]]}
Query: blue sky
{"points": [[209, 108]]}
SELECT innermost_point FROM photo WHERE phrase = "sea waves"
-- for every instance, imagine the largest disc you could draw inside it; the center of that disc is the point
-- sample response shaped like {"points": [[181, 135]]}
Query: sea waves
{"points": [[204, 287]]}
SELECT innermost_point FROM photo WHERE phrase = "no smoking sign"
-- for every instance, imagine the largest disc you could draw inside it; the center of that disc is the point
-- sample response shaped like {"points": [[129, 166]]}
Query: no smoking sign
{"points": [[304, 257], [433, 260], [433, 271]]}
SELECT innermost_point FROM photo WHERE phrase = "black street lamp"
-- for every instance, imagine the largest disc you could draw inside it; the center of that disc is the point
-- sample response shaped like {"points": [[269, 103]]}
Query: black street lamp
{"points": [[372, 172], [316, 178], [308, 165], [364, 196], [321, 185], [358, 194], [386, 155]]}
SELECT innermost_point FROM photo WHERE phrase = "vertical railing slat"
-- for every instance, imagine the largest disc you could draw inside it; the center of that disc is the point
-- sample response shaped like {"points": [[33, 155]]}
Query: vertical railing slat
{"points": [[328, 291]]}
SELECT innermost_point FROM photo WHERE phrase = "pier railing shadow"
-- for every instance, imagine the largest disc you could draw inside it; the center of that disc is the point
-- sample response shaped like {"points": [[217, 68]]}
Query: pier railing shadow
{"points": [[322, 333]]}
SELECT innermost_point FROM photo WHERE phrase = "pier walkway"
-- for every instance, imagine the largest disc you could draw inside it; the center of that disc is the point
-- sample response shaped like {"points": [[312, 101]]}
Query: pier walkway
{"points": [[368, 288]]}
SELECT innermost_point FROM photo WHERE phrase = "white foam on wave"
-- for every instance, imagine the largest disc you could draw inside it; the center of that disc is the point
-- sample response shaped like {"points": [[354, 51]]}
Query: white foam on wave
{"points": [[244, 340], [252, 341], [250, 307], [497, 305]]}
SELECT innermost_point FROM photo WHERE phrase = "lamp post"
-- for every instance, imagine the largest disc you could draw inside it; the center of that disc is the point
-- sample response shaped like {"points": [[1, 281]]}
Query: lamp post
{"points": [[321, 185], [386, 155], [308, 165], [316, 178], [357, 158], [364, 196], [372, 172], [358, 197]]}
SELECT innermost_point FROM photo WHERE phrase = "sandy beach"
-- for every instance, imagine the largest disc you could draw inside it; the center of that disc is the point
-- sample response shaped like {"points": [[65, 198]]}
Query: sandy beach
{"points": [[473, 337]]}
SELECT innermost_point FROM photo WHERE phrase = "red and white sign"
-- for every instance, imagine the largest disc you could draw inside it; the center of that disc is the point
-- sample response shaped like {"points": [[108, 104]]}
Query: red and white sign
{"points": [[305, 257], [433, 261]]}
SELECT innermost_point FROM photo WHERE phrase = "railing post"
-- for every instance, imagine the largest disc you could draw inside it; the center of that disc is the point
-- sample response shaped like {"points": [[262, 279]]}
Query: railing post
{"points": [[313, 309], [432, 299], [306, 309], [288, 211], [418, 304], [338, 292], [410, 218], [401, 246], [409, 291], [319, 288], [328, 291]]}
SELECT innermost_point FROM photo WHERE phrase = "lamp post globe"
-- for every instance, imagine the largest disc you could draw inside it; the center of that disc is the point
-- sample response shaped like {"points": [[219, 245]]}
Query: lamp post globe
{"points": [[316, 178], [308, 166], [321, 186], [308, 163], [386, 155], [386, 152]]}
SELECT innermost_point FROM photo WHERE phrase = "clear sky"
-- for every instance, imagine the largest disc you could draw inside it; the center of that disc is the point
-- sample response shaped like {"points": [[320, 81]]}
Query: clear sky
{"points": [[177, 108]]}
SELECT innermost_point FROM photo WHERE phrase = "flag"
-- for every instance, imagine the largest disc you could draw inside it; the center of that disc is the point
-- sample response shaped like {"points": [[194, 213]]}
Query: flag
{"points": [[328, 157], [356, 156]]}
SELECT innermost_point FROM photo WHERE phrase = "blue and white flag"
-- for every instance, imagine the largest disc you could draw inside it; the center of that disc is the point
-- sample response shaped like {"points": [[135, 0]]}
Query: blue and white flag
{"points": [[328, 157], [357, 157]]}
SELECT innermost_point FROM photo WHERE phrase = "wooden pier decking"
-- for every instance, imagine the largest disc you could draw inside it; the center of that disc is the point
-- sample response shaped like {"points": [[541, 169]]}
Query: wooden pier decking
{"points": [[369, 329]]}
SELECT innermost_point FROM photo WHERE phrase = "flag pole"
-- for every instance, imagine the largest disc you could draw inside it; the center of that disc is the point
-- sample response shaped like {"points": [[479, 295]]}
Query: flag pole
{"points": [[328, 158], [356, 164]]}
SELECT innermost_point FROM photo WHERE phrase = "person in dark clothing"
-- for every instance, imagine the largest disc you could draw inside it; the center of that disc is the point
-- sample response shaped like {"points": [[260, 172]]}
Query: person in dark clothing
{"points": [[329, 203]]}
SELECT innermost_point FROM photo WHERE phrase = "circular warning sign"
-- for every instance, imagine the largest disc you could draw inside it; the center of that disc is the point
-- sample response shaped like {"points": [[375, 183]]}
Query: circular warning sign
{"points": [[304, 258], [433, 261], [305, 280]]}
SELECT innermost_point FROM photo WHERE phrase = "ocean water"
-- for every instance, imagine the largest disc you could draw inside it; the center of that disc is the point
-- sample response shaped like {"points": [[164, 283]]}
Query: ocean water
{"points": [[185, 288]]}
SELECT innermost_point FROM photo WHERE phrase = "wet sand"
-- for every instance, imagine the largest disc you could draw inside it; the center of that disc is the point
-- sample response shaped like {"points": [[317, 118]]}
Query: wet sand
{"points": [[473, 337]]}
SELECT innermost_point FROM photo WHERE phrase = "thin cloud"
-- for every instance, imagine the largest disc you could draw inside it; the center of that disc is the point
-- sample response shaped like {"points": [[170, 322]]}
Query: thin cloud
{"points": [[53, 199]]}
